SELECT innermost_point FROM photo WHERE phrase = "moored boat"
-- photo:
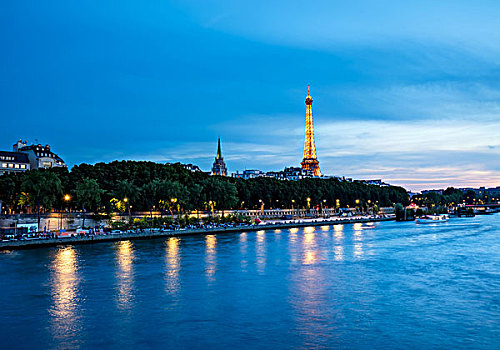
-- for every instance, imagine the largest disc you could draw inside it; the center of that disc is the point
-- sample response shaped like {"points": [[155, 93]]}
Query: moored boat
{"points": [[430, 219]]}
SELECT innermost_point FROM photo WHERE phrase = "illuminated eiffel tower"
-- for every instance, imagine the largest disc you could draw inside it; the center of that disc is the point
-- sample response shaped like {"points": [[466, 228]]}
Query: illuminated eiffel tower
{"points": [[310, 162]]}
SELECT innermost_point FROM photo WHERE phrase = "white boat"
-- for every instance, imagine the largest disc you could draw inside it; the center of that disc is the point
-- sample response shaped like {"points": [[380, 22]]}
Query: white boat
{"points": [[432, 219]]}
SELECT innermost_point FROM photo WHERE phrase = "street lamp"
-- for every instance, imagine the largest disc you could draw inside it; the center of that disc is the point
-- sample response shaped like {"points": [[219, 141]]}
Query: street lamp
{"points": [[128, 207], [67, 198]]}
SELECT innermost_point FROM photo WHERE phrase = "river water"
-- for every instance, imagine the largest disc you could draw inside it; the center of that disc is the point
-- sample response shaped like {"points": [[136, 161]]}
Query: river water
{"points": [[380, 285]]}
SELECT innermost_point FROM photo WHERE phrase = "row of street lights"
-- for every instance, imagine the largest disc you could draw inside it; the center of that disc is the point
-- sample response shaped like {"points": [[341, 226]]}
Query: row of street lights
{"points": [[322, 203]]}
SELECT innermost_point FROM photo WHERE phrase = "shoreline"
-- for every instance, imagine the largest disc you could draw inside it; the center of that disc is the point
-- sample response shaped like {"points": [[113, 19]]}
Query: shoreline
{"points": [[39, 243]]}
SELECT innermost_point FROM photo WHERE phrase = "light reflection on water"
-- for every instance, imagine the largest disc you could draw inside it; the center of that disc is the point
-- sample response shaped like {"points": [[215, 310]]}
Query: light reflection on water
{"points": [[309, 247], [210, 257], [358, 240], [172, 267], [260, 246], [66, 303], [339, 240], [292, 236], [125, 275], [307, 290], [243, 238], [308, 301]]}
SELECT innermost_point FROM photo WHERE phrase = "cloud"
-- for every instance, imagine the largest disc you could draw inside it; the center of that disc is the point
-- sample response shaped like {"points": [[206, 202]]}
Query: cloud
{"points": [[325, 24]]}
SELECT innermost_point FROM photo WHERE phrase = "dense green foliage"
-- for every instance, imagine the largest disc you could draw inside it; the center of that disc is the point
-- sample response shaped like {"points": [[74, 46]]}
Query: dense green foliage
{"points": [[145, 186], [40, 190], [450, 196]]}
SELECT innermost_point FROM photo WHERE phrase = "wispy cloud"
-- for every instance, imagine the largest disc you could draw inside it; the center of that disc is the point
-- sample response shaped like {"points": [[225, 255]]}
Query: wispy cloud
{"points": [[326, 24]]}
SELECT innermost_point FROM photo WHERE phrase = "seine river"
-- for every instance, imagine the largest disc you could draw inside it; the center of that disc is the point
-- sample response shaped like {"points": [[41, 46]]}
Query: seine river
{"points": [[381, 285]]}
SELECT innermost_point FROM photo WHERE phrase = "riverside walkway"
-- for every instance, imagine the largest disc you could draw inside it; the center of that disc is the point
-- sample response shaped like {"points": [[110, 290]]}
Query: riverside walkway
{"points": [[157, 233]]}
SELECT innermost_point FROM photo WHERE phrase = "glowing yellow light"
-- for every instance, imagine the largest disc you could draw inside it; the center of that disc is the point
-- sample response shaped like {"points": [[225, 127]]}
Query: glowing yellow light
{"points": [[309, 229], [172, 265], [310, 258], [310, 161], [67, 197], [211, 256], [124, 274], [64, 283]]}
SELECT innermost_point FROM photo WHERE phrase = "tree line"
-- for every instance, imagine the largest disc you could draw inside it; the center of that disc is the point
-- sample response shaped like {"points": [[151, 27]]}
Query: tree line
{"points": [[147, 186], [450, 197]]}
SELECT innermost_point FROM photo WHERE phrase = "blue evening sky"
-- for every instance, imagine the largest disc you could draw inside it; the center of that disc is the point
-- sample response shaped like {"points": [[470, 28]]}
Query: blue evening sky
{"points": [[404, 91]]}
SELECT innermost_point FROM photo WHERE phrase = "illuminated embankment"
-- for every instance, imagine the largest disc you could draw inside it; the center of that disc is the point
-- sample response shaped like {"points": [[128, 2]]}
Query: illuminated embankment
{"points": [[33, 243]]}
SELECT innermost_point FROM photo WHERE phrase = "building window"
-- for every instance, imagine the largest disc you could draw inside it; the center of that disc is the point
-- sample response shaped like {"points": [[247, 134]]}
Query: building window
{"points": [[16, 166], [11, 165], [23, 166], [4, 165]]}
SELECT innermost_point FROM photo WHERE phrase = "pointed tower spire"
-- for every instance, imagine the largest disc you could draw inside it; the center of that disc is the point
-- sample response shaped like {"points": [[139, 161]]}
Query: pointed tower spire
{"points": [[219, 152], [219, 167], [310, 161]]}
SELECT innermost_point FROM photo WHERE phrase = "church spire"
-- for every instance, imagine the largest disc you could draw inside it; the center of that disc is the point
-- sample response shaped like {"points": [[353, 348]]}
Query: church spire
{"points": [[219, 167], [219, 152]]}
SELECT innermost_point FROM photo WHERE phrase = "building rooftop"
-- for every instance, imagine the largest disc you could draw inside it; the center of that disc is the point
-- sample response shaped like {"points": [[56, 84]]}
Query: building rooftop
{"points": [[41, 151], [17, 157]]}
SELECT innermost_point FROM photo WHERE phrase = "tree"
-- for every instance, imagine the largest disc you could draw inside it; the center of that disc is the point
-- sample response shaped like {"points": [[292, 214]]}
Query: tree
{"points": [[400, 211], [470, 196], [173, 196], [125, 189], [41, 188], [88, 195], [126, 193], [220, 191], [8, 192], [144, 184], [150, 193]]}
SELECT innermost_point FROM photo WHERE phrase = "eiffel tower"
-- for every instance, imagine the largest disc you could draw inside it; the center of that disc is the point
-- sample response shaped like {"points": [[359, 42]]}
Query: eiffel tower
{"points": [[310, 162]]}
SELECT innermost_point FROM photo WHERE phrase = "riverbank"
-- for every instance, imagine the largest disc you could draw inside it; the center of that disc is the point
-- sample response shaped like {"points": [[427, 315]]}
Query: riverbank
{"points": [[38, 243]]}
